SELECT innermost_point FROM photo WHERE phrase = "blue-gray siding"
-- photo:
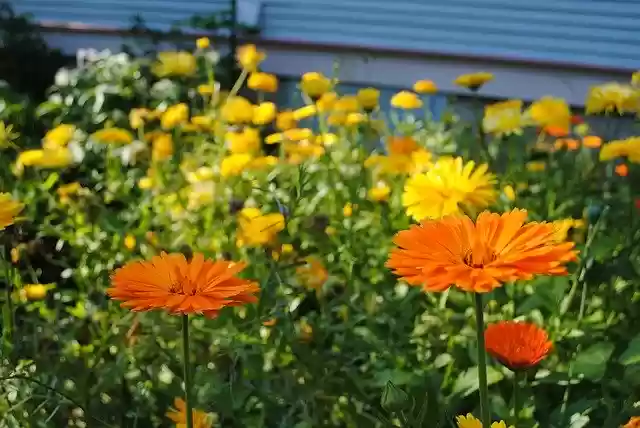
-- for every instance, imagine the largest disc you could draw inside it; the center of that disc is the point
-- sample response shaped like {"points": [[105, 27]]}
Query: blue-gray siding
{"points": [[593, 32]]}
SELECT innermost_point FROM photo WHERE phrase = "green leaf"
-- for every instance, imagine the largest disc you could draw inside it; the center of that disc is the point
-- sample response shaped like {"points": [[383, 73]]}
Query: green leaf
{"points": [[632, 354], [468, 382], [592, 362]]}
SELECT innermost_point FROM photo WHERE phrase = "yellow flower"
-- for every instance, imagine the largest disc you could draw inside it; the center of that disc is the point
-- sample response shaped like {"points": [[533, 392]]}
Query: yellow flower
{"points": [[237, 110], [58, 137], [234, 164], [205, 89], [420, 160], [347, 104], [35, 291], [509, 192], [130, 242], [613, 97], [137, 117], [295, 134], [50, 158], [286, 120], [380, 192], [536, 166], [145, 183], [550, 112], [368, 98], [347, 210], [9, 209], [113, 136], [312, 274], [245, 141], [249, 57], [200, 418], [67, 190], [298, 152], [425, 87], [471, 421], [326, 101], [202, 122], [562, 227], [503, 118], [264, 113], [315, 84], [264, 82], [263, 162], [203, 43], [304, 112], [174, 116], [406, 100], [7, 135], [354, 119], [447, 187], [473, 81], [629, 148], [174, 64], [162, 147], [257, 229]]}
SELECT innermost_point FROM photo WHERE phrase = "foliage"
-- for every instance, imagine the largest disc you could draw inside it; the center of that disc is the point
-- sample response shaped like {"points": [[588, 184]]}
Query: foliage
{"points": [[336, 339]]}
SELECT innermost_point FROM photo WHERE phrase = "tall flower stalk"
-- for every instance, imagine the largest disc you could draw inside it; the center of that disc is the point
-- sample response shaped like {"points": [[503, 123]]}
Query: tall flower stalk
{"points": [[485, 414], [186, 364]]}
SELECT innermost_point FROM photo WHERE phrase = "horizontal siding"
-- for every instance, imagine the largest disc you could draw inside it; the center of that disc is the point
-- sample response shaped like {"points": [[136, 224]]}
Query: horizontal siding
{"points": [[157, 14], [592, 32]]}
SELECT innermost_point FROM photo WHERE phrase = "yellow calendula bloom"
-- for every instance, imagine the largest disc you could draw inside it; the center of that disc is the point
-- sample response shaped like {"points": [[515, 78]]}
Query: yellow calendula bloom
{"points": [[425, 87], [203, 43], [256, 229], [628, 148], [562, 227], [130, 242], [145, 183], [174, 116], [406, 100], [326, 102], [244, 141], [162, 147], [298, 152], [503, 118], [264, 82], [234, 165], [113, 136], [368, 98], [347, 104], [315, 84], [470, 421], [202, 122], [354, 119], [51, 158], [200, 418], [550, 112], [448, 187], [58, 137], [66, 191], [9, 210], [180, 64], [35, 291], [509, 193], [379, 193], [264, 113], [293, 135], [473, 81], [312, 274], [347, 210], [263, 162], [249, 57], [237, 110], [304, 112], [205, 89], [137, 117], [286, 120], [613, 97]]}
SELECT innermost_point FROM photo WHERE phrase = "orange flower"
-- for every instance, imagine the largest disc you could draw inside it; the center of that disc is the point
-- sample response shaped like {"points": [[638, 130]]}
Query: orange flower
{"points": [[200, 419], [179, 286], [556, 131], [634, 422], [517, 345], [592, 141], [437, 254], [622, 170]]}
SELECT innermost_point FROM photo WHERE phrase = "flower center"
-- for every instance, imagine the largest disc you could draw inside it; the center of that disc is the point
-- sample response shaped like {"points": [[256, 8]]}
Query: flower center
{"points": [[486, 258]]}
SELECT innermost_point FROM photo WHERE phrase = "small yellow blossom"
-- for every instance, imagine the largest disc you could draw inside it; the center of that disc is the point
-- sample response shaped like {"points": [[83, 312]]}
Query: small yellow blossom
{"points": [[473, 81], [425, 87], [203, 43], [113, 136], [564, 226], [9, 209], [67, 190], [249, 57], [130, 242], [314, 84], [304, 112], [406, 100], [380, 192], [509, 192], [174, 64], [58, 137], [257, 229], [613, 97], [628, 148], [233, 165], [162, 147], [347, 210], [368, 98], [237, 110], [174, 116], [286, 120], [205, 89], [264, 82], [35, 291], [503, 118], [245, 141], [470, 421], [145, 183], [202, 122], [327, 101], [354, 119], [137, 117], [50, 158], [264, 113], [550, 112]]}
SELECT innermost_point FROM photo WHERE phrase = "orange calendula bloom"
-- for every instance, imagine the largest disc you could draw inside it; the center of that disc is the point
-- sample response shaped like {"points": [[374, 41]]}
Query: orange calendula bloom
{"points": [[517, 345], [181, 286], [179, 416], [437, 254], [634, 422]]}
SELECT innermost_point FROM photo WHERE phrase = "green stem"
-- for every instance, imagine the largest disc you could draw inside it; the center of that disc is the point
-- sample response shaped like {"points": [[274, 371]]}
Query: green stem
{"points": [[482, 363], [516, 398], [239, 83], [187, 370]]}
